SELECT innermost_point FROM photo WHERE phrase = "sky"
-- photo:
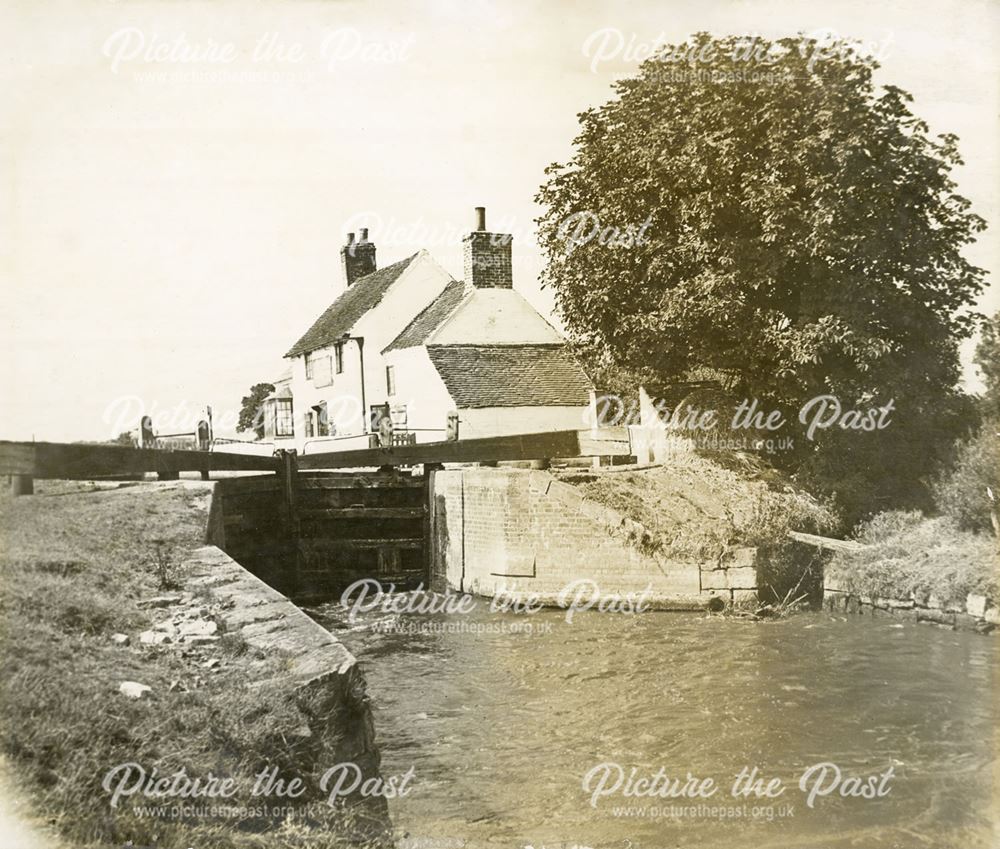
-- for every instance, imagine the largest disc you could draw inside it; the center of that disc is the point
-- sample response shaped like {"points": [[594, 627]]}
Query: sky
{"points": [[179, 176]]}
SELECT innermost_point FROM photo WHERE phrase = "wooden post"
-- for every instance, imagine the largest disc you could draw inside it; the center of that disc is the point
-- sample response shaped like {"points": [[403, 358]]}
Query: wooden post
{"points": [[430, 535], [288, 472], [21, 485]]}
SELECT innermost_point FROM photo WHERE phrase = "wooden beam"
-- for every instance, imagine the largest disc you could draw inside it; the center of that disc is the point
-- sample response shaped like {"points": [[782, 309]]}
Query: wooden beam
{"points": [[72, 461], [360, 481], [249, 486], [530, 446], [827, 543], [321, 543], [363, 513]]}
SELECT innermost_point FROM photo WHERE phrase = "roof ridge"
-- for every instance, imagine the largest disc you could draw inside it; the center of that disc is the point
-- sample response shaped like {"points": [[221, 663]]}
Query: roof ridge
{"points": [[350, 306], [413, 334]]}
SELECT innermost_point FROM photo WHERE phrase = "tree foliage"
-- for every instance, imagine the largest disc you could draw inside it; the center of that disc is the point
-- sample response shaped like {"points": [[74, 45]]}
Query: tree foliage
{"points": [[124, 438], [988, 359], [964, 493], [798, 234], [251, 409]]}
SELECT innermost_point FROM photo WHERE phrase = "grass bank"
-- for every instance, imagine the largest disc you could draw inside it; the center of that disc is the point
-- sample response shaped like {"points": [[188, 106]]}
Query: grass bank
{"points": [[76, 563]]}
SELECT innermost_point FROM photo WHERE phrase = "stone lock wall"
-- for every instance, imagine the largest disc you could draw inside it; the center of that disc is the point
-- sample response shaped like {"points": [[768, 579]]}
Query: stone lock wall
{"points": [[319, 674], [512, 529]]}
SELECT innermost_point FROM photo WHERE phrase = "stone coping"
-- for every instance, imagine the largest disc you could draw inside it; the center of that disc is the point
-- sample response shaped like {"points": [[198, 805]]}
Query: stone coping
{"points": [[265, 619]]}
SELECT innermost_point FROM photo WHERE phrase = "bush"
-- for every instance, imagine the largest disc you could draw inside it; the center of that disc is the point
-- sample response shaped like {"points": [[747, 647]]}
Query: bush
{"points": [[908, 553], [962, 494]]}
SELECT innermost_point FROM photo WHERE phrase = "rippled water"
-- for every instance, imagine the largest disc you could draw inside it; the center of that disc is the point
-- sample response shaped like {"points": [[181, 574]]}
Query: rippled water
{"points": [[502, 727]]}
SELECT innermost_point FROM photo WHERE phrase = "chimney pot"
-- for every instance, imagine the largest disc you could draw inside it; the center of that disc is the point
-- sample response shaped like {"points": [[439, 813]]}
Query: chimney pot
{"points": [[364, 234], [350, 238], [480, 217]]}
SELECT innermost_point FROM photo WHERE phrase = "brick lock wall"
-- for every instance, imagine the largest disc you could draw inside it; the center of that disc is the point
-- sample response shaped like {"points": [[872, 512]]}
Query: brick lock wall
{"points": [[524, 530], [486, 260]]}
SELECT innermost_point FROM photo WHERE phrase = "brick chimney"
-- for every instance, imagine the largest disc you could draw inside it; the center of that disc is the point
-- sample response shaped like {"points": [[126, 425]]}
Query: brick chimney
{"points": [[357, 258], [486, 256]]}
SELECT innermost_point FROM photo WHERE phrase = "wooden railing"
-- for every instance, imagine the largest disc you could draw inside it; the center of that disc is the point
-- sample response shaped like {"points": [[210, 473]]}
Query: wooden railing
{"points": [[24, 461], [606, 442]]}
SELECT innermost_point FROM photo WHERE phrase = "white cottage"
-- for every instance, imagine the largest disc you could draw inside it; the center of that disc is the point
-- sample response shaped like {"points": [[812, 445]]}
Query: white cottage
{"points": [[410, 344]]}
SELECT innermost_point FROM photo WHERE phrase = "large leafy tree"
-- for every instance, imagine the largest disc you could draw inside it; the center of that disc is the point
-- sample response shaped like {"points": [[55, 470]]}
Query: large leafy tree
{"points": [[797, 232], [251, 407]]}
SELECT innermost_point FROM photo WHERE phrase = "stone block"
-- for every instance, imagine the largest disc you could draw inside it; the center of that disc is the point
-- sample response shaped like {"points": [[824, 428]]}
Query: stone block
{"points": [[938, 617], [833, 601], [834, 584], [965, 622], [975, 605], [742, 578], [714, 579], [906, 614]]}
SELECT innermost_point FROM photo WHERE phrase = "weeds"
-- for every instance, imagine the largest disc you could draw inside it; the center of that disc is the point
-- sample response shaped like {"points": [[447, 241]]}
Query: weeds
{"points": [[166, 565]]}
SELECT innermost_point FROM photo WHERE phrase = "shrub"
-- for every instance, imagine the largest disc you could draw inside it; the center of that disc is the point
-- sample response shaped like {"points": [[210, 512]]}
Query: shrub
{"points": [[962, 494], [908, 553]]}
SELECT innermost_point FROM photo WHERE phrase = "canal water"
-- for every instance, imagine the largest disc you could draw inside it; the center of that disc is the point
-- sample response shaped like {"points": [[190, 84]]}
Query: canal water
{"points": [[502, 716]]}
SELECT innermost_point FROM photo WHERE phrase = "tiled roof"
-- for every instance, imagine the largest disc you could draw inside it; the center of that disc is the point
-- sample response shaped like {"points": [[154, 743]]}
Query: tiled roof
{"points": [[479, 376], [432, 316], [366, 292]]}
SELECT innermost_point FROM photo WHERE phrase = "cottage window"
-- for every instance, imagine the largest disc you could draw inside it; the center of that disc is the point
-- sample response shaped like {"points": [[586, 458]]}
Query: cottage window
{"points": [[338, 356], [310, 424], [283, 417], [390, 380], [322, 372], [310, 363]]}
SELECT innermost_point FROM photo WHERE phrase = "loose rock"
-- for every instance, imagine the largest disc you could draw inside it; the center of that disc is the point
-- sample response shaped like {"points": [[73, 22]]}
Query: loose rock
{"points": [[159, 601], [198, 628], [133, 689]]}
